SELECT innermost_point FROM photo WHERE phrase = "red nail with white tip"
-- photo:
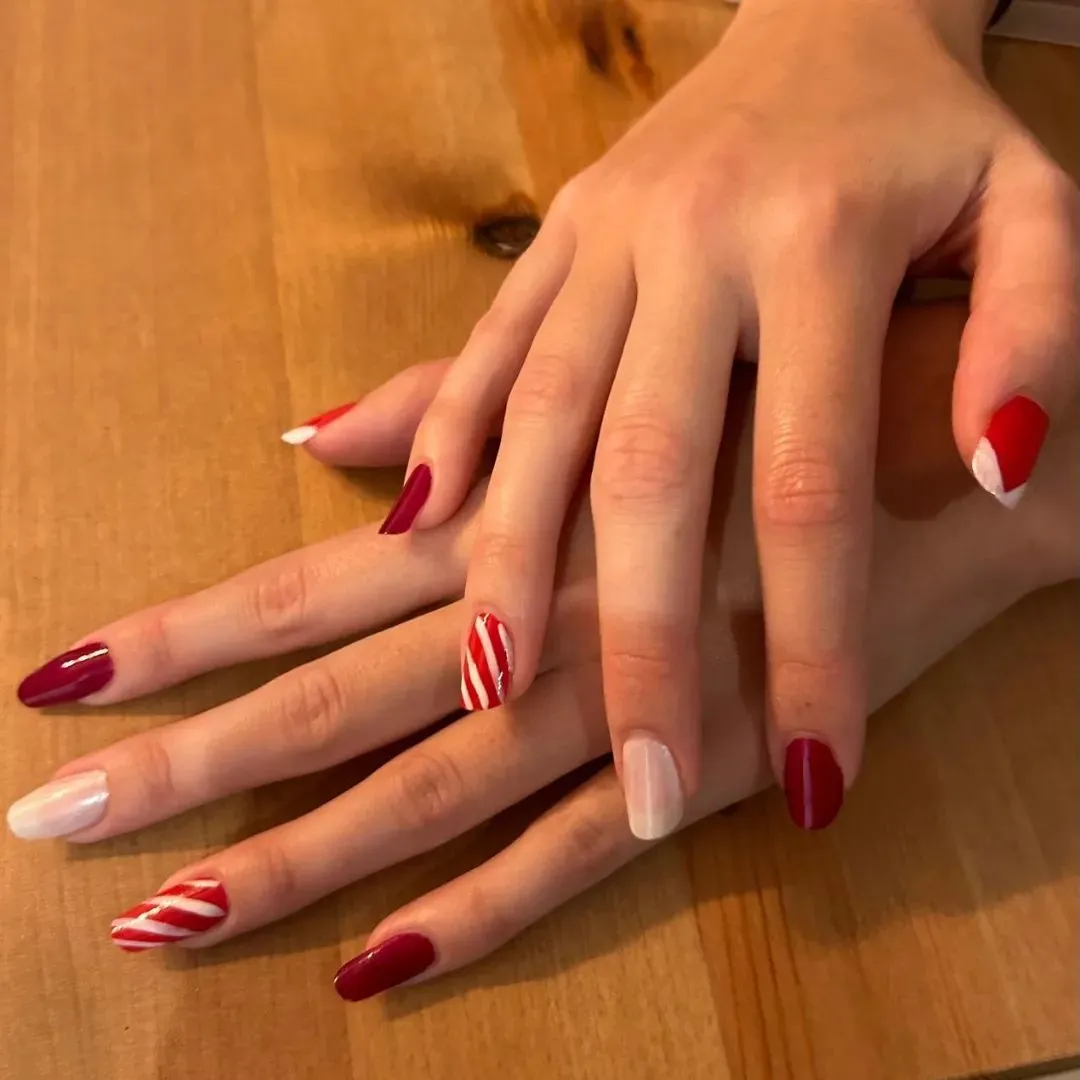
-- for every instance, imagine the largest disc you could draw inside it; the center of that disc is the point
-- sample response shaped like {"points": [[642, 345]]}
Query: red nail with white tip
{"points": [[310, 428], [488, 666], [1005, 457], [181, 911]]}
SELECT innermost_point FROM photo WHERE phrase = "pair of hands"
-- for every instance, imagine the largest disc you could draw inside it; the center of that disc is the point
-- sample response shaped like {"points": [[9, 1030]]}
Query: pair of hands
{"points": [[770, 207], [933, 582]]}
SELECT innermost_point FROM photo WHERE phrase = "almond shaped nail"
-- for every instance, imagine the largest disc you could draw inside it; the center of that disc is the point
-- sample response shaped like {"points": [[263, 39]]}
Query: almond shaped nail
{"points": [[409, 503], [177, 913], [60, 807], [71, 676], [307, 431]]}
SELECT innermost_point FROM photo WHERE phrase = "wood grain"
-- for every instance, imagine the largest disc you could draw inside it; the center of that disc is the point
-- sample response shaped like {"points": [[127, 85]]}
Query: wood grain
{"points": [[219, 216]]}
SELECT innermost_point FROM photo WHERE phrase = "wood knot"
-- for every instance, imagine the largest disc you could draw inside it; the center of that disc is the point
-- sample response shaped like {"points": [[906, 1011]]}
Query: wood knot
{"points": [[507, 232]]}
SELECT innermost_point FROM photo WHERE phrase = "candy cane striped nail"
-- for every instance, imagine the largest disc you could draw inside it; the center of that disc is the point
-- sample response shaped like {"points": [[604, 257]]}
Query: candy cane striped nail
{"points": [[488, 665], [178, 912], [1005, 457]]}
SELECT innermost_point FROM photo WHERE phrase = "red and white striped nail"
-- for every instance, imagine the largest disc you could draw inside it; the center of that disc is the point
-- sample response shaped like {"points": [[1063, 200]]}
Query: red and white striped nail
{"points": [[1005, 457], [181, 911], [488, 666], [307, 431]]}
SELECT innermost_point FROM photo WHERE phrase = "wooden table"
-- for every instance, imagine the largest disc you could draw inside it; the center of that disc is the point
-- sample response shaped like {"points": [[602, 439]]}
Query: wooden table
{"points": [[218, 216]]}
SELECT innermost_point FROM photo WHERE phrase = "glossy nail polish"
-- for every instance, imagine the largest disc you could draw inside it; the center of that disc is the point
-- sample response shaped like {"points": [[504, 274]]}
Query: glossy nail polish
{"points": [[488, 667], [60, 807], [307, 431], [1005, 457], [409, 503], [390, 963], [654, 799], [174, 914], [813, 783], [69, 677]]}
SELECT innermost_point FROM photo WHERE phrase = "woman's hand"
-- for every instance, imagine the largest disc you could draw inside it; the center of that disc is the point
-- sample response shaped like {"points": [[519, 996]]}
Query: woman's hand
{"points": [[770, 204], [934, 581]]}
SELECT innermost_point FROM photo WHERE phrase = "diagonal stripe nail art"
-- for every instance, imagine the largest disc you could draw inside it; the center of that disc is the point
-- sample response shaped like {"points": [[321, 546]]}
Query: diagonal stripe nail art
{"points": [[488, 666], [178, 912]]}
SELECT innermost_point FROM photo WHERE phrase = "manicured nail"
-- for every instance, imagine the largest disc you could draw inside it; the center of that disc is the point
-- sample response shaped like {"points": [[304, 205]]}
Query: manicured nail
{"points": [[310, 428], [60, 807], [1005, 457], [489, 664], [813, 783], [390, 963], [409, 503], [654, 799], [174, 914], [69, 677]]}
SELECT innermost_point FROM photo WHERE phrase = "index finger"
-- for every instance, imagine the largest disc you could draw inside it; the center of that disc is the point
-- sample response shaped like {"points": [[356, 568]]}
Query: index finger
{"points": [[823, 322]]}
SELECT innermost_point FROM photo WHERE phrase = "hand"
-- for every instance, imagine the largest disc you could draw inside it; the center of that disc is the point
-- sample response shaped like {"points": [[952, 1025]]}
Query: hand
{"points": [[398, 682], [771, 204]]}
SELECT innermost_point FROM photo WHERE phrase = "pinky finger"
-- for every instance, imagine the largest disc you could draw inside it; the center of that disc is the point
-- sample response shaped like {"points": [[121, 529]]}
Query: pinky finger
{"points": [[572, 847]]}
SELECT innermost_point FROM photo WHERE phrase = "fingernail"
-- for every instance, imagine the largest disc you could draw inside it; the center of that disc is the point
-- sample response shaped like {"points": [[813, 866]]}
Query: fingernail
{"points": [[60, 807], [654, 799], [70, 676], [488, 665], [1005, 457], [813, 783], [310, 428], [409, 503], [390, 963], [179, 912]]}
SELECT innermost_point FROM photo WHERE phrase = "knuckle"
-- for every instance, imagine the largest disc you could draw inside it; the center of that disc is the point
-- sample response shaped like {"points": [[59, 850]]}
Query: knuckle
{"points": [[503, 553], [802, 487], [589, 842], [280, 600], [311, 711], [153, 767], [488, 911], [642, 460], [649, 663], [547, 385], [278, 877], [156, 640], [818, 211], [429, 789], [571, 197], [800, 687]]}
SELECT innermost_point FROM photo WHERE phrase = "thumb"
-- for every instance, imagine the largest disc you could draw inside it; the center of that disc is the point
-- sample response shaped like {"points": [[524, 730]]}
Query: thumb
{"points": [[377, 430], [1018, 364]]}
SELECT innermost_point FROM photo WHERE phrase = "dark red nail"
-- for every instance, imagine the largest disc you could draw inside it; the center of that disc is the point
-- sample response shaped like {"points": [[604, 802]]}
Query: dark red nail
{"points": [[409, 503], [813, 783], [390, 963], [69, 677]]}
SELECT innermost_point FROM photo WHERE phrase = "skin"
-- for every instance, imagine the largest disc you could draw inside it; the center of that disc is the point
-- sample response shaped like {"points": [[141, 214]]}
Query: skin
{"points": [[946, 560], [756, 211]]}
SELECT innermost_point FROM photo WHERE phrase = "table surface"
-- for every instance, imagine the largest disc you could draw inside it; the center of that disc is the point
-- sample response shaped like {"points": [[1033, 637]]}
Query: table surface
{"points": [[219, 216]]}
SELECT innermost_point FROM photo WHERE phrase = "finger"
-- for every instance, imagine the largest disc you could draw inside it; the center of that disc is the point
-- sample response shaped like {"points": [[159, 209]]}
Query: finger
{"points": [[452, 433], [582, 840], [551, 421], [442, 787], [1018, 360], [379, 429], [651, 492], [823, 322], [318, 594], [331, 710]]}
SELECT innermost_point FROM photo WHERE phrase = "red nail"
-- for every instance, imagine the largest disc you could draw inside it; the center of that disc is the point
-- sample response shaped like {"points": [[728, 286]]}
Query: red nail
{"points": [[813, 783], [69, 677], [409, 503], [1005, 457], [488, 666], [178, 912], [389, 964], [307, 431]]}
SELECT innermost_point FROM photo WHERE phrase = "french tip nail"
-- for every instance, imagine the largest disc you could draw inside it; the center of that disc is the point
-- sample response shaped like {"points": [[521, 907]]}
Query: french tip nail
{"points": [[307, 431], [813, 783], [69, 677], [300, 435], [653, 792], [384, 966], [60, 807]]}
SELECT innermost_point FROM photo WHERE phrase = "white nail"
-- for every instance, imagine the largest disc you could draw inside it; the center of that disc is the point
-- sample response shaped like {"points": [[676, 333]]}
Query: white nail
{"points": [[60, 807], [300, 435], [654, 799]]}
